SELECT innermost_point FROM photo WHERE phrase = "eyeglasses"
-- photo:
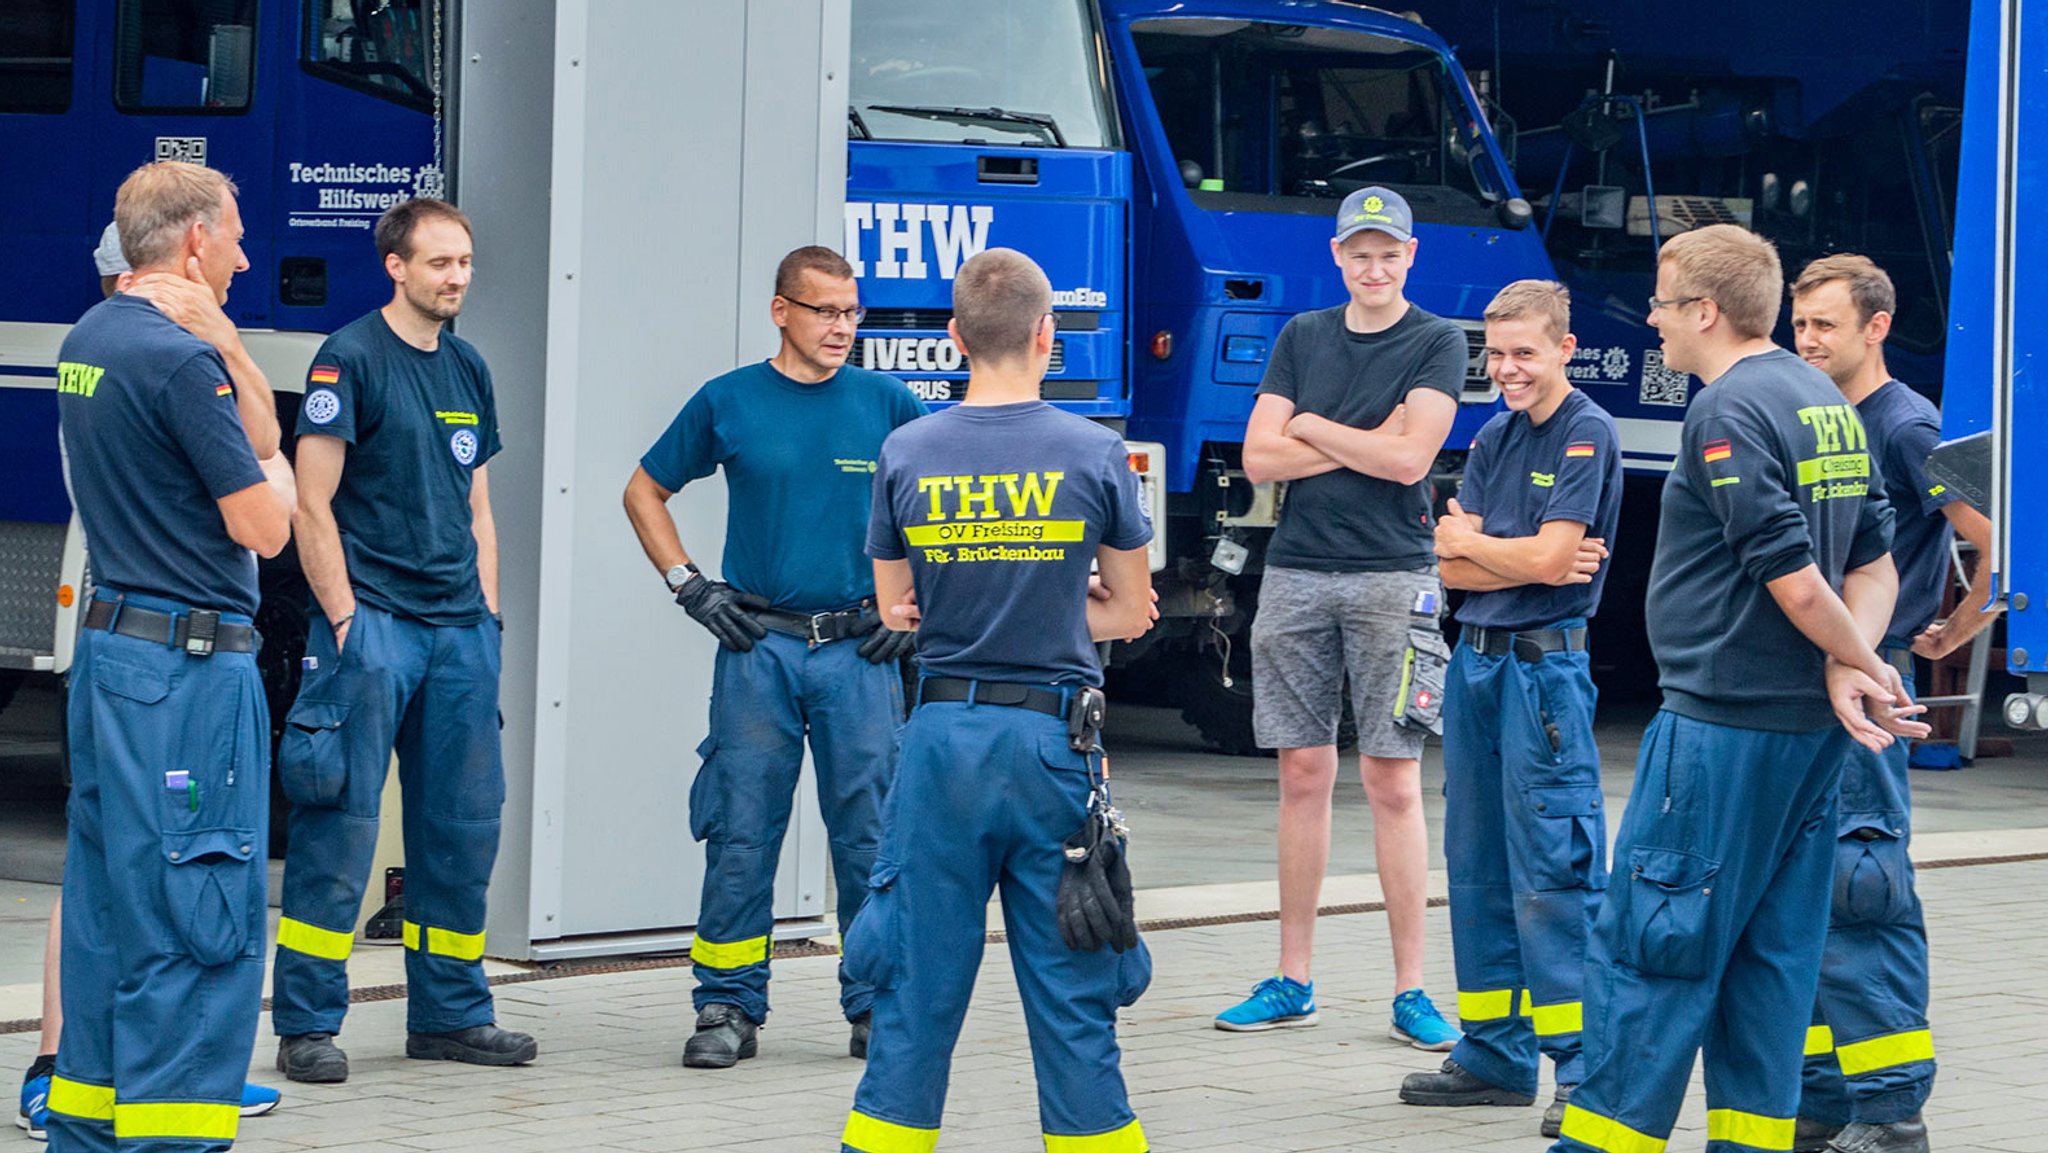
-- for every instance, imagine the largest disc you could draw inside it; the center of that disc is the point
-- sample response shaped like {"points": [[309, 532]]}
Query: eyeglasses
{"points": [[1675, 302], [829, 314]]}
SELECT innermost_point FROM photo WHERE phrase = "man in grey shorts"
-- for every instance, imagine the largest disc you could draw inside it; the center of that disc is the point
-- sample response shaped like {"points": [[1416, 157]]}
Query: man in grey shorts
{"points": [[1356, 402]]}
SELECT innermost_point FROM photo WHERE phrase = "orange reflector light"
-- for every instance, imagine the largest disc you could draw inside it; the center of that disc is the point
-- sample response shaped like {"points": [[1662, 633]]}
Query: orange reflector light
{"points": [[64, 596], [1162, 344], [1141, 462]]}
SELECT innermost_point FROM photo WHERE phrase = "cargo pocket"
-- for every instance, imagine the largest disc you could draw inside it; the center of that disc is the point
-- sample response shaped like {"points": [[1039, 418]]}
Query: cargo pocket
{"points": [[706, 805], [1425, 663], [1669, 895], [312, 765], [1873, 884], [873, 945], [1567, 838], [1133, 974], [208, 893]]}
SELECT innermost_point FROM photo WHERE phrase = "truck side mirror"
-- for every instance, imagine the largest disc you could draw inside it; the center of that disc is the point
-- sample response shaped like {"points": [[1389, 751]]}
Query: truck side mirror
{"points": [[1515, 213]]}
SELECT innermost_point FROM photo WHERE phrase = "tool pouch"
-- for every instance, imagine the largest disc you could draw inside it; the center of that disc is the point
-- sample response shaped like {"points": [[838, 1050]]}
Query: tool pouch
{"points": [[1425, 662]]}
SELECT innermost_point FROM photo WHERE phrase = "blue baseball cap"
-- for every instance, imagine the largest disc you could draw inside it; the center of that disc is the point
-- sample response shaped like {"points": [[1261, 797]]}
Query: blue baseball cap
{"points": [[1375, 209]]}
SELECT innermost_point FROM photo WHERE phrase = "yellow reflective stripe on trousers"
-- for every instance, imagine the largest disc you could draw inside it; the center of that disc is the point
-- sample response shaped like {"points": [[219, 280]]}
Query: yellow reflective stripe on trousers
{"points": [[174, 1120], [78, 1099], [874, 1135], [1490, 1005], [1884, 1052], [1129, 1139], [446, 942], [314, 941], [1752, 1129], [729, 954], [1819, 1039], [1528, 1003], [1589, 1128], [1558, 1020]]}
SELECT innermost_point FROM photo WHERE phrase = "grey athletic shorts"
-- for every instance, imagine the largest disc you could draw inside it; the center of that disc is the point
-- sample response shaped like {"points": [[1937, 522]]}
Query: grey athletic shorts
{"points": [[1314, 627]]}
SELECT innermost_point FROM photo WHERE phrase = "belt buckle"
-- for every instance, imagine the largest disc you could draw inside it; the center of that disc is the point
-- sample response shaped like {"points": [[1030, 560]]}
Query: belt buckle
{"points": [[817, 622], [201, 626]]}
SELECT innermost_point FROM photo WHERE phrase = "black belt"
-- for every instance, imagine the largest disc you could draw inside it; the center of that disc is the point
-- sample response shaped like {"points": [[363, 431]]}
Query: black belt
{"points": [[199, 632], [1530, 644], [932, 690], [820, 628]]}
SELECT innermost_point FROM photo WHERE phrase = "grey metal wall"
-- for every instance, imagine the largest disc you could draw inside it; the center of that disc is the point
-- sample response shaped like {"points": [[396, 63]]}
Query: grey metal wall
{"points": [[634, 168]]}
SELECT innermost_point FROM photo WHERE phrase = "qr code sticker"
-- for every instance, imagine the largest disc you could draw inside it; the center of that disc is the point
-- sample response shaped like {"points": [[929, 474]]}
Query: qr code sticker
{"points": [[1662, 385]]}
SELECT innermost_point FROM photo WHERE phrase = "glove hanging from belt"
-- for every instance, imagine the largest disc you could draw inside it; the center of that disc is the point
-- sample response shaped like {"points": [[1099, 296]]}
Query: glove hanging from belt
{"points": [[1094, 905], [887, 646]]}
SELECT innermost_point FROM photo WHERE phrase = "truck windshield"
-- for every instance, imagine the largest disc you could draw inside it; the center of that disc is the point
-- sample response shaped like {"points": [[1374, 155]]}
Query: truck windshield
{"points": [[920, 71], [1296, 113]]}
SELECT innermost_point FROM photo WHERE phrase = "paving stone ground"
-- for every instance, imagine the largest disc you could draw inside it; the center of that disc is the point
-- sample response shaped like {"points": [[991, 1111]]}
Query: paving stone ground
{"points": [[609, 1078]]}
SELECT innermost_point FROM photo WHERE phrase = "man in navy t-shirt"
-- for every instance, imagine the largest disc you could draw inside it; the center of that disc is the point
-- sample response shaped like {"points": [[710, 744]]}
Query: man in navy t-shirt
{"points": [[163, 928], [1869, 1054], [802, 652], [402, 653], [994, 511], [1525, 832]]}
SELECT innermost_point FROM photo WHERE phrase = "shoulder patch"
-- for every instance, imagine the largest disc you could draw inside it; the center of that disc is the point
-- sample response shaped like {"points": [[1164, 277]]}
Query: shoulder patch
{"points": [[1715, 450], [324, 374], [322, 406], [223, 389], [1580, 448]]}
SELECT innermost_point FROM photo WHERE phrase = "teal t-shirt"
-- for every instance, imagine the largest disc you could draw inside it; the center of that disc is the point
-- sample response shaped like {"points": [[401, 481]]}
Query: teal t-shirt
{"points": [[799, 464]]}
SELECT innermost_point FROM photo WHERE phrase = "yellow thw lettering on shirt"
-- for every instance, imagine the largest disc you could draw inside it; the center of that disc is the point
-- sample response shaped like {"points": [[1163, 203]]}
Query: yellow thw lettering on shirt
{"points": [[1835, 427], [983, 498], [450, 417], [79, 379], [1037, 492]]}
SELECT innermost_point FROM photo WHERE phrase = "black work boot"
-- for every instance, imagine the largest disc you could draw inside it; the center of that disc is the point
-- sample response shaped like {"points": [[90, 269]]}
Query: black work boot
{"points": [[857, 1044], [1811, 1136], [313, 1058], [476, 1045], [1908, 1136], [724, 1038], [1553, 1116], [1455, 1085]]}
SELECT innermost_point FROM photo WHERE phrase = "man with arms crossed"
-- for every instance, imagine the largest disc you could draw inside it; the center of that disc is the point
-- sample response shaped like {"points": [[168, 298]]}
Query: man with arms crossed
{"points": [[1356, 402], [802, 653], [162, 952], [1869, 1054], [402, 651], [1525, 830], [1714, 938]]}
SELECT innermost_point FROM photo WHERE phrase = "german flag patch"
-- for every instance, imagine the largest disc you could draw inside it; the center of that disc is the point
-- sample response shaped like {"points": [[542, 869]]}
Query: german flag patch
{"points": [[223, 389], [1716, 450], [325, 374], [1578, 448]]}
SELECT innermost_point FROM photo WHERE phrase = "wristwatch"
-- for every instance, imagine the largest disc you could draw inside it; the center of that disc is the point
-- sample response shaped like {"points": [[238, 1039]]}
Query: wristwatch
{"points": [[680, 575]]}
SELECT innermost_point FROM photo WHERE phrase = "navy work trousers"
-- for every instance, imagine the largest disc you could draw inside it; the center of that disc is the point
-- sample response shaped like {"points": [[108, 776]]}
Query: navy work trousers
{"points": [[764, 704], [1525, 837], [985, 798], [431, 693], [1713, 941], [164, 886], [1869, 1053]]}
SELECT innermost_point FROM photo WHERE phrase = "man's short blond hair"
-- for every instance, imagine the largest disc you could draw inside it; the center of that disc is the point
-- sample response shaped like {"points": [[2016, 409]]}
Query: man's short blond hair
{"points": [[1735, 268], [159, 201], [998, 300], [1544, 300], [1868, 284]]}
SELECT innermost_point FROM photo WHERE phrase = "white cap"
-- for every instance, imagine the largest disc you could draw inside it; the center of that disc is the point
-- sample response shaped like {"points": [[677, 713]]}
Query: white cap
{"points": [[108, 254]]}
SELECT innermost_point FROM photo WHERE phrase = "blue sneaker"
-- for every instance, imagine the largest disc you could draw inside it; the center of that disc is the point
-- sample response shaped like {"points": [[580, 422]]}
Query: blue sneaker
{"points": [[1417, 1022], [258, 1099], [1276, 1003], [35, 1107]]}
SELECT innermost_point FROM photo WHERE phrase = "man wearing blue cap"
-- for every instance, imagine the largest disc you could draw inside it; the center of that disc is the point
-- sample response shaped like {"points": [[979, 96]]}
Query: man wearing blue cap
{"points": [[1356, 402]]}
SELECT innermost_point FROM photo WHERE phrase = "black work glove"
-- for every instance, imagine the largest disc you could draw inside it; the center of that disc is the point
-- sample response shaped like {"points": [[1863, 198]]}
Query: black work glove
{"points": [[716, 606], [887, 646], [1094, 906]]}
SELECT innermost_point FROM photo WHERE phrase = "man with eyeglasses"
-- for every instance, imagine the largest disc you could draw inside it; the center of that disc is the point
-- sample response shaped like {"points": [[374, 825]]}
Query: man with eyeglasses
{"points": [[801, 647]]}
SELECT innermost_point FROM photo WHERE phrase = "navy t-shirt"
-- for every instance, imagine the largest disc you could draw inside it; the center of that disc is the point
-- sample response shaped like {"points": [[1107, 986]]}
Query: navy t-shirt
{"points": [[1521, 475], [1000, 509], [150, 428], [1774, 473], [1904, 427], [1345, 521], [417, 423], [799, 464]]}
